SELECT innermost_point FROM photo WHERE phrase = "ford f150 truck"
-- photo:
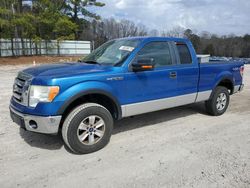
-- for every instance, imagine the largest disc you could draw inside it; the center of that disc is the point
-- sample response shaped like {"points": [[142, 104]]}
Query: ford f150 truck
{"points": [[121, 78]]}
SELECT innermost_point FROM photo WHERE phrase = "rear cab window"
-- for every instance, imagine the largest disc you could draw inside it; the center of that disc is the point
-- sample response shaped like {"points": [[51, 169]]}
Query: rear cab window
{"points": [[184, 53]]}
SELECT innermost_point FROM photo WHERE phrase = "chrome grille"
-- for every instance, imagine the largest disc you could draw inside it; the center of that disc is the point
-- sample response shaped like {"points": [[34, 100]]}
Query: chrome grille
{"points": [[20, 88]]}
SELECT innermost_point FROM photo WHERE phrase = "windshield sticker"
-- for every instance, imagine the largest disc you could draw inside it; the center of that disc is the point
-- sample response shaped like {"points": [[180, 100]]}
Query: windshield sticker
{"points": [[127, 48]]}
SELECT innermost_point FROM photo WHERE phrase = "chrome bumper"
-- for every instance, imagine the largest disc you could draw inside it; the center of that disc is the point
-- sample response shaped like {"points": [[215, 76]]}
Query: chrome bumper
{"points": [[40, 124]]}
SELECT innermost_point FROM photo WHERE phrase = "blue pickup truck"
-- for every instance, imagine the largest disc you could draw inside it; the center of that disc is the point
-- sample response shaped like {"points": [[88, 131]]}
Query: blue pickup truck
{"points": [[121, 78]]}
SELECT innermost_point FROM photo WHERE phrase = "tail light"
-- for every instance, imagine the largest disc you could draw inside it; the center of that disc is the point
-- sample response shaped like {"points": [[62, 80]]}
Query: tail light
{"points": [[241, 71]]}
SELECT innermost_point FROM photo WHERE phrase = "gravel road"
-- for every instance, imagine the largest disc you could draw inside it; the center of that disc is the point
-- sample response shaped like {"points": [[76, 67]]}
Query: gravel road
{"points": [[179, 147]]}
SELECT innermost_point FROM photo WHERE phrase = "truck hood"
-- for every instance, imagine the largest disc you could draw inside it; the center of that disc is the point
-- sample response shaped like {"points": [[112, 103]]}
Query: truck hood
{"points": [[66, 69]]}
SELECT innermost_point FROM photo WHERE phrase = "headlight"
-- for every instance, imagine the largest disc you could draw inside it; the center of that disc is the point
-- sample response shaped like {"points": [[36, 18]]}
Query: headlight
{"points": [[42, 94]]}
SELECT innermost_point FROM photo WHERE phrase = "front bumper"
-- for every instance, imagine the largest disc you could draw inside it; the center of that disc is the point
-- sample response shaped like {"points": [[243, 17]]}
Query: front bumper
{"points": [[40, 124]]}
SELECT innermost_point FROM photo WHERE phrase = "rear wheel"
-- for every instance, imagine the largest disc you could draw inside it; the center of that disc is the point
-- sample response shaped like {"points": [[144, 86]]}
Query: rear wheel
{"points": [[218, 102], [87, 128]]}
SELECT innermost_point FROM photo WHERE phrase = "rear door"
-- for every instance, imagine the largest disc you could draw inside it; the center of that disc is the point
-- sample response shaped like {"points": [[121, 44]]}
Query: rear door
{"points": [[187, 72]]}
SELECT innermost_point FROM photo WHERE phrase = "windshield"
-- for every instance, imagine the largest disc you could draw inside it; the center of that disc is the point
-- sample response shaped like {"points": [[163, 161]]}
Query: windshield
{"points": [[113, 52]]}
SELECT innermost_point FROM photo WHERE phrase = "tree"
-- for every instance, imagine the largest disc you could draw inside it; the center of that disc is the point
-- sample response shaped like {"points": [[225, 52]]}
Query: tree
{"points": [[80, 15], [195, 39], [64, 29], [6, 22], [188, 33], [153, 32], [246, 46], [102, 30], [72, 19], [175, 32], [209, 49]]}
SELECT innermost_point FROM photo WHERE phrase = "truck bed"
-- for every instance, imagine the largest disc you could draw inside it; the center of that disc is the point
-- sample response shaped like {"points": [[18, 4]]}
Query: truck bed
{"points": [[210, 72]]}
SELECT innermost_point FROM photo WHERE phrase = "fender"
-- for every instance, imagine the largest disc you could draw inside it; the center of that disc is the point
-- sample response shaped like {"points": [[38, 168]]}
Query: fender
{"points": [[225, 75], [82, 89]]}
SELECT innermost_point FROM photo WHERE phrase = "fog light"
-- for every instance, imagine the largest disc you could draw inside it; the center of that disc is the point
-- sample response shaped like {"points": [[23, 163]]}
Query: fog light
{"points": [[33, 124]]}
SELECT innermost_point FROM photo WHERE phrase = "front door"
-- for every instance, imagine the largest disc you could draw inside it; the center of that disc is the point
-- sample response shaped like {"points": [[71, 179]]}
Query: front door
{"points": [[148, 90]]}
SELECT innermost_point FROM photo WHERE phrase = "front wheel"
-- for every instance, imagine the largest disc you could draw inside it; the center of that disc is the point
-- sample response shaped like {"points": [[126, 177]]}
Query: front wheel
{"points": [[87, 128], [218, 102]]}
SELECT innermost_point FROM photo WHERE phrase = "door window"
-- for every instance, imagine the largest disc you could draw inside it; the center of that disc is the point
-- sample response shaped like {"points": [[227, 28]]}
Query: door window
{"points": [[159, 52]]}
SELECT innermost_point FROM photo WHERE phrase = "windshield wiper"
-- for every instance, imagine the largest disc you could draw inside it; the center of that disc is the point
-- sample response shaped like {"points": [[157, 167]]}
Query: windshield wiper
{"points": [[91, 62]]}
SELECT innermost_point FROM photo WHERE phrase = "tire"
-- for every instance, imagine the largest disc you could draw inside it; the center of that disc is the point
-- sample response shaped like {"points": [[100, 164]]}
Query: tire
{"points": [[82, 131], [218, 102]]}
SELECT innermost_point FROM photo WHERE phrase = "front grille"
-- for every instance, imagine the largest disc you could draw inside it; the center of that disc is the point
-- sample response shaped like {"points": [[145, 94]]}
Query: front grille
{"points": [[20, 88]]}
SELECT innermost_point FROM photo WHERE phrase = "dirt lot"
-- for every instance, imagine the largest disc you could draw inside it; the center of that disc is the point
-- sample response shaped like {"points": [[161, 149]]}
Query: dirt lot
{"points": [[180, 147], [36, 59]]}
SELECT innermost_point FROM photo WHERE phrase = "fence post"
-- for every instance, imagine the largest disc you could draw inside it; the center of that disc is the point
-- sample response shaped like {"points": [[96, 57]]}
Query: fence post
{"points": [[58, 47], [0, 47], [31, 48], [36, 48], [40, 48], [22, 46], [12, 46], [92, 45], [46, 46]]}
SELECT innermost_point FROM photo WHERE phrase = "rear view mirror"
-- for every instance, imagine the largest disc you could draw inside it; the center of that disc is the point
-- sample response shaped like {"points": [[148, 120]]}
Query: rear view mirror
{"points": [[143, 64]]}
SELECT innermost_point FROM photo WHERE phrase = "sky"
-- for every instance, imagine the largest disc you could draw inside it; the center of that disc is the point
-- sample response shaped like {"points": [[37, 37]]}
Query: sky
{"points": [[215, 16]]}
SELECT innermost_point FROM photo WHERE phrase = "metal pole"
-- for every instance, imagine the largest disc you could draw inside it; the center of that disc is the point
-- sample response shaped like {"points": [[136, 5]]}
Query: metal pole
{"points": [[16, 34], [92, 46]]}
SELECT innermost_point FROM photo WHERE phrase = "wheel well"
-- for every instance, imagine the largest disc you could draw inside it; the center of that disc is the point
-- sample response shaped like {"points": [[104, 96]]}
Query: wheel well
{"points": [[227, 84], [101, 99]]}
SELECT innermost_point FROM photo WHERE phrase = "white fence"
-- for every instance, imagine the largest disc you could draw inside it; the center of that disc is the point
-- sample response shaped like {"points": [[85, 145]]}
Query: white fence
{"points": [[52, 47]]}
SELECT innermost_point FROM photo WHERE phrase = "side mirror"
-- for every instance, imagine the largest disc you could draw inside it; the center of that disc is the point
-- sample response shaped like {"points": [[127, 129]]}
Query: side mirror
{"points": [[144, 64]]}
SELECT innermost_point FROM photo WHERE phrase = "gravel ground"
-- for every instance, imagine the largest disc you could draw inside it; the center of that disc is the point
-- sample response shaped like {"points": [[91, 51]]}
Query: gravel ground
{"points": [[179, 147], [38, 59]]}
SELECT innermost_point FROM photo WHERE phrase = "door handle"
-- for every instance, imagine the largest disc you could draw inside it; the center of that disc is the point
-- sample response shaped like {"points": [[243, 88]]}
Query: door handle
{"points": [[173, 74]]}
